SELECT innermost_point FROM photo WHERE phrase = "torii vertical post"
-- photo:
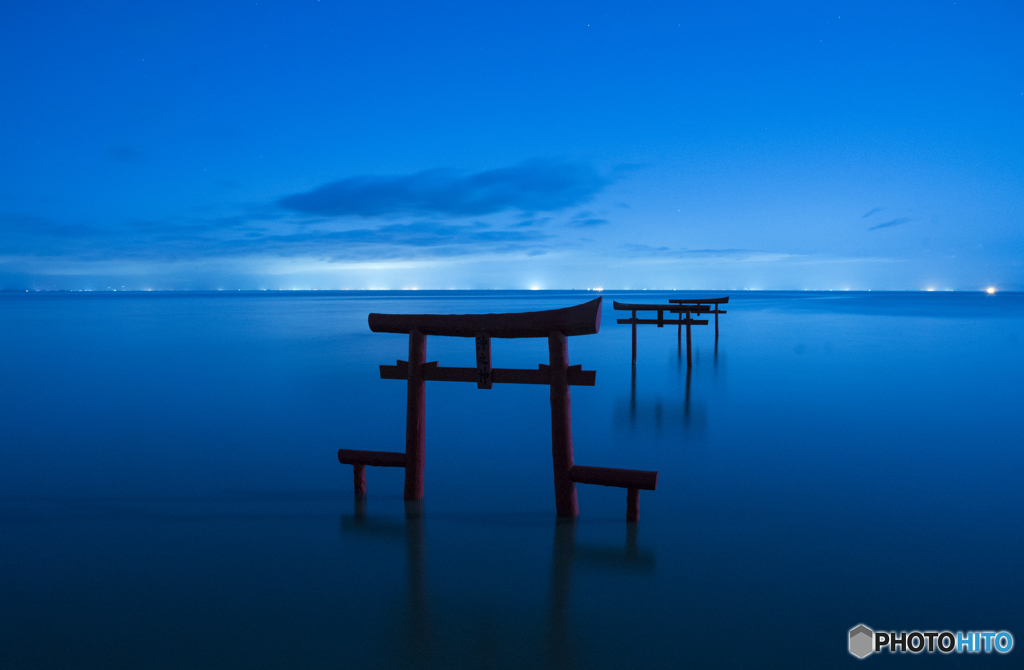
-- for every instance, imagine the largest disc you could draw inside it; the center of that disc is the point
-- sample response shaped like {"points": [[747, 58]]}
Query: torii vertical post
{"points": [[634, 337], [566, 503], [415, 417], [689, 346]]}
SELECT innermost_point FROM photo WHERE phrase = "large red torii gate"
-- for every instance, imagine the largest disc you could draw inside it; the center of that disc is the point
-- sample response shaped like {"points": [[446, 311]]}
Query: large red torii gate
{"points": [[557, 325]]}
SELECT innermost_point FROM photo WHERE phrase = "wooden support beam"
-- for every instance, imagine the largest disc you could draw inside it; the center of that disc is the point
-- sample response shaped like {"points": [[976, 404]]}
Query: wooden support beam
{"points": [[671, 322], [700, 301], [627, 479], [631, 480], [359, 459], [431, 372], [379, 459], [566, 503]]}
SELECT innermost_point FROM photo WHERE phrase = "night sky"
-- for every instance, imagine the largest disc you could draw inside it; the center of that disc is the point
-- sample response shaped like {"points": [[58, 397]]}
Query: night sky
{"points": [[346, 145]]}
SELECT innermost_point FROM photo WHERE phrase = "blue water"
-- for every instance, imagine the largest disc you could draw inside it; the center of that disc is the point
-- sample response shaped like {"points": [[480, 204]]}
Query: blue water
{"points": [[170, 495]]}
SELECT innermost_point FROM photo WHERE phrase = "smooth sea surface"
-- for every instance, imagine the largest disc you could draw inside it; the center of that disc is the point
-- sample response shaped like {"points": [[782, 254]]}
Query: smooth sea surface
{"points": [[170, 495]]}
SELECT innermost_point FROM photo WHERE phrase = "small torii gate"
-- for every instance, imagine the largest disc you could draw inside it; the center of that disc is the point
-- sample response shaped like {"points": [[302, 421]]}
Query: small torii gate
{"points": [[700, 302], [661, 321], [558, 325]]}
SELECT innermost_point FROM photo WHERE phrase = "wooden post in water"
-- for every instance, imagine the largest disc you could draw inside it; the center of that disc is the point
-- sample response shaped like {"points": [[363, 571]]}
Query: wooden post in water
{"points": [[566, 504], [689, 355], [483, 361], [634, 337], [632, 504], [415, 417], [359, 478]]}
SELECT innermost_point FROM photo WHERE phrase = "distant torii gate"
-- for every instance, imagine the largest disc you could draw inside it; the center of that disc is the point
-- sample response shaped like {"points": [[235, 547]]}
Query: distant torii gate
{"points": [[701, 302], [557, 325], [661, 321]]}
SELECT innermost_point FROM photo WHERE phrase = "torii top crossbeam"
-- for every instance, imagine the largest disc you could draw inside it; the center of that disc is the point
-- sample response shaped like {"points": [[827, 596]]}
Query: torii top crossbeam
{"points": [[582, 319]]}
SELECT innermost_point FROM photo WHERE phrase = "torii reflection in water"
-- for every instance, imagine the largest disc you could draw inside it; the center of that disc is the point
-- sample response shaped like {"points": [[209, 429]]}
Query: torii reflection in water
{"points": [[662, 412], [421, 646]]}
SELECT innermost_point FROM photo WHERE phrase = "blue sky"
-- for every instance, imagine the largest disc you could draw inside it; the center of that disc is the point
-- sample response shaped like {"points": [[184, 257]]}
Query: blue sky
{"points": [[325, 144]]}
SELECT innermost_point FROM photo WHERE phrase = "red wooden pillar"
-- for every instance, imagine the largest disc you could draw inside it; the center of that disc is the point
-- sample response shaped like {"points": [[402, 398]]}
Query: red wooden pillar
{"points": [[359, 479], [634, 337], [716, 323], [689, 355], [561, 426], [632, 504], [483, 361], [415, 417]]}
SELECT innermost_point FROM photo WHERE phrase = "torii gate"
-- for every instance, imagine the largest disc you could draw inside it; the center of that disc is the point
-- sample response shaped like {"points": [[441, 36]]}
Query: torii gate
{"points": [[557, 325], [661, 321]]}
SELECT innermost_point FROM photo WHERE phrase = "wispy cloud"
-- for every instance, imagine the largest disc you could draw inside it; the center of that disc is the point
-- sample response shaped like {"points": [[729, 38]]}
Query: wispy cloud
{"points": [[889, 224], [534, 186], [664, 253], [876, 210], [587, 219]]}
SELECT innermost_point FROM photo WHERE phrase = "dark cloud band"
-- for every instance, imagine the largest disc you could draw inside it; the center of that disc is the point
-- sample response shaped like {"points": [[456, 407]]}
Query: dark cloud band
{"points": [[534, 186]]}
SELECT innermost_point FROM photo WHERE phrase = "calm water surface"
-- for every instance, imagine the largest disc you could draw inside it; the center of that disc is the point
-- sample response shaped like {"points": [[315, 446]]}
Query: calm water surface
{"points": [[170, 495]]}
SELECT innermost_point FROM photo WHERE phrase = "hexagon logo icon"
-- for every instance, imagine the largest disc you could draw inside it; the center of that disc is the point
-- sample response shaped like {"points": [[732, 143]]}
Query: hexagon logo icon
{"points": [[862, 641]]}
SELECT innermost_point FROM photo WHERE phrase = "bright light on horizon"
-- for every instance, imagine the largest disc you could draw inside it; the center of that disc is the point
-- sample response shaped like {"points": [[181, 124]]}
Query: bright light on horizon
{"points": [[990, 290]]}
